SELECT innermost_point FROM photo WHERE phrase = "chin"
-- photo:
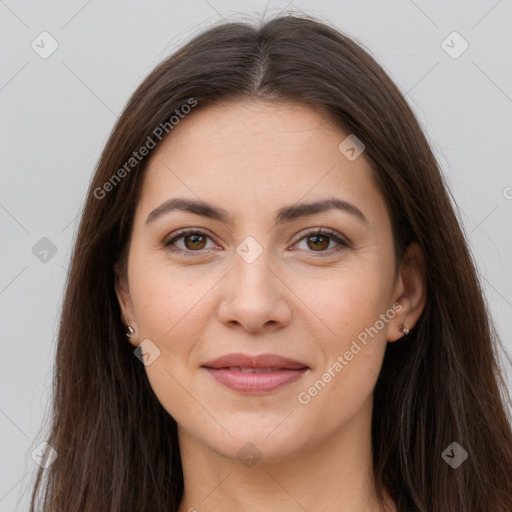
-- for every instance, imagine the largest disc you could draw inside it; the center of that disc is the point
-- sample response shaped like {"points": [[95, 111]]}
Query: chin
{"points": [[259, 443]]}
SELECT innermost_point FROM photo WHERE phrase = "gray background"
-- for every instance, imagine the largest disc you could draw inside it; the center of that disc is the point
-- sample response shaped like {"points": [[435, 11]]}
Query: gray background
{"points": [[57, 113]]}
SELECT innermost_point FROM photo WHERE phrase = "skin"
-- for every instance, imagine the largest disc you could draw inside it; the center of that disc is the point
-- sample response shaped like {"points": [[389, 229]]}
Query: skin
{"points": [[252, 158]]}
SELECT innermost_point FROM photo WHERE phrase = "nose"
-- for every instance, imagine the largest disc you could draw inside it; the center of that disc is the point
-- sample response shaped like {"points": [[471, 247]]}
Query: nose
{"points": [[254, 296]]}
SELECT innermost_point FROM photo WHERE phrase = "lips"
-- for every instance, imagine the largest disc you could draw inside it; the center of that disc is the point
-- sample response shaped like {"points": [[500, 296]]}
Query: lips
{"points": [[255, 374], [251, 370], [261, 361]]}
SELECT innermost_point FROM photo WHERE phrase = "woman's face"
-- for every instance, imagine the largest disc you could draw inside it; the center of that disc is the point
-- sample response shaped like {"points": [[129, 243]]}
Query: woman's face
{"points": [[262, 280]]}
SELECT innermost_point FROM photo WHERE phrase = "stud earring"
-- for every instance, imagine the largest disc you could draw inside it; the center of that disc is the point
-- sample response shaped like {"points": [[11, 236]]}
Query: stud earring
{"points": [[403, 329], [130, 331]]}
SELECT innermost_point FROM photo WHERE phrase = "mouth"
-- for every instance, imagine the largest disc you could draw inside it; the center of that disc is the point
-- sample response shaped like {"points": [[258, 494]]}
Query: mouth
{"points": [[249, 370], [255, 380], [255, 374]]}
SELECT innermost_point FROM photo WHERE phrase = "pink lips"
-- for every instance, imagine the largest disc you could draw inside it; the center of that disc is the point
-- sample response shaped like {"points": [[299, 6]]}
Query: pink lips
{"points": [[255, 374]]}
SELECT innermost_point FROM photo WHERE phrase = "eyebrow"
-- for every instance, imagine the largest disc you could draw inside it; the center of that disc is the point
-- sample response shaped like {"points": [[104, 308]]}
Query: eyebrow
{"points": [[286, 214]]}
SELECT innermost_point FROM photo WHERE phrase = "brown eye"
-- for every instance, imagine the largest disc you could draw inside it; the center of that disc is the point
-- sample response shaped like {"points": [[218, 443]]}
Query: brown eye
{"points": [[320, 242], [195, 242]]}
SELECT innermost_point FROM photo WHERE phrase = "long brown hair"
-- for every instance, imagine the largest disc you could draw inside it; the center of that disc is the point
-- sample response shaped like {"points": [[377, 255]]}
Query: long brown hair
{"points": [[118, 448]]}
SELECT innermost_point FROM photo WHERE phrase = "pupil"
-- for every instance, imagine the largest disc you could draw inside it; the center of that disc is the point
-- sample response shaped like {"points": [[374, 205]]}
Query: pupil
{"points": [[194, 239], [316, 244]]}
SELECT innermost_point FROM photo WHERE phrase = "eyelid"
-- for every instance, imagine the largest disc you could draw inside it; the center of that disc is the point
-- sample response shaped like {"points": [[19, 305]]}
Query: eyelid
{"points": [[182, 233], [342, 241], [323, 231]]}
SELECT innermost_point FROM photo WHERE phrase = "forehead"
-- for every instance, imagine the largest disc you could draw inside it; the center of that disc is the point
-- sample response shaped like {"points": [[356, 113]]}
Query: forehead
{"points": [[254, 154], [234, 132]]}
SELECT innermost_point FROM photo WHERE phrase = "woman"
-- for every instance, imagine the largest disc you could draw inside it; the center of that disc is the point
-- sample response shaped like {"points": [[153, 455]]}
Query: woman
{"points": [[271, 304]]}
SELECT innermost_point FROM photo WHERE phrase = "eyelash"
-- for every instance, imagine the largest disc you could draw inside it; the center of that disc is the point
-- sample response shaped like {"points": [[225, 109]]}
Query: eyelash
{"points": [[320, 231]]}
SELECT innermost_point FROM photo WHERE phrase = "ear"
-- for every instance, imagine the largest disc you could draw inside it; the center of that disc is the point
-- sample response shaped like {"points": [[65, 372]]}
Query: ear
{"points": [[410, 291], [125, 302]]}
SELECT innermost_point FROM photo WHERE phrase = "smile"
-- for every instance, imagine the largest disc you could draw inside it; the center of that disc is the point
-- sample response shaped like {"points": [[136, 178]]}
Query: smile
{"points": [[255, 380]]}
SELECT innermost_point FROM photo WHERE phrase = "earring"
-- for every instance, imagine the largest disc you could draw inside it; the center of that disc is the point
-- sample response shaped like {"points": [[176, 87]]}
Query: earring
{"points": [[403, 329], [130, 331]]}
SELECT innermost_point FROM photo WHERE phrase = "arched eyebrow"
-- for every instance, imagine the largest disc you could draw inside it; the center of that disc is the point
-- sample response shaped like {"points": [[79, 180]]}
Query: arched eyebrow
{"points": [[286, 214]]}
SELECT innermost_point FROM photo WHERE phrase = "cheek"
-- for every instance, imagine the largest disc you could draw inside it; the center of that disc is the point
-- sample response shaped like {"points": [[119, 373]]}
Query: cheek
{"points": [[168, 310], [355, 342], [166, 298], [346, 302], [168, 316]]}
